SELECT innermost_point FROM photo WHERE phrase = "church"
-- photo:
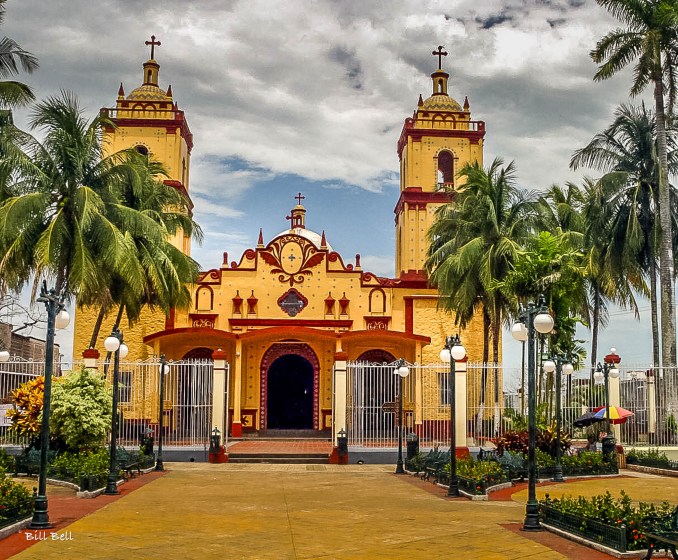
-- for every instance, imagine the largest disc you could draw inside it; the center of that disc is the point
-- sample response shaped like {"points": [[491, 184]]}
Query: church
{"points": [[290, 312]]}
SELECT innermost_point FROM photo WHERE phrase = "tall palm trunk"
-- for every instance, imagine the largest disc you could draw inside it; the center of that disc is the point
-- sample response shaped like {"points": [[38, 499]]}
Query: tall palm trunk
{"points": [[97, 326], [594, 332], [666, 267], [653, 312], [483, 375], [496, 331]]}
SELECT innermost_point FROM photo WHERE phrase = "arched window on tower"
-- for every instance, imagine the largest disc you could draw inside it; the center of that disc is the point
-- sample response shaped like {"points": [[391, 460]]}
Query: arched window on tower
{"points": [[445, 170]]}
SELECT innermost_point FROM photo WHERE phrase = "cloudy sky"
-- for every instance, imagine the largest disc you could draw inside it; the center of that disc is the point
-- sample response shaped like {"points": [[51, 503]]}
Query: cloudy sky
{"points": [[310, 96]]}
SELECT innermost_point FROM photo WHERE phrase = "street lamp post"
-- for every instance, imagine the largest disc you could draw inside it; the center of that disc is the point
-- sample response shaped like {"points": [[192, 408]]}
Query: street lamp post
{"points": [[560, 365], [402, 371], [453, 352], [534, 318], [604, 372], [164, 368], [114, 343], [57, 317]]}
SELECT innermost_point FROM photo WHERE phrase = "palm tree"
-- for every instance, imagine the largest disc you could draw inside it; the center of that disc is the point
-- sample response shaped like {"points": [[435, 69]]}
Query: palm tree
{"points": [[162, 270], [651, 39], [629, 147], [473, 242], [53, 220], [12, 59]]}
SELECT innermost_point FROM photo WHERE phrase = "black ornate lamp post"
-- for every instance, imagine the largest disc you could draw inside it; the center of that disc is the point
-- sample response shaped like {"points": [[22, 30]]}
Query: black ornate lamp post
{"points": [[402, 371], [560, 365], [57, 318], [604, 372], [453, 352], [114, 344], [534, 318], [164, 369]]}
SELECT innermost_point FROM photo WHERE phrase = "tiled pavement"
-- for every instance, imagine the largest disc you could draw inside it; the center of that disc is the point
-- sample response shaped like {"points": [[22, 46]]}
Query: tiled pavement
{"points": [[242, 511], [298, 447]]}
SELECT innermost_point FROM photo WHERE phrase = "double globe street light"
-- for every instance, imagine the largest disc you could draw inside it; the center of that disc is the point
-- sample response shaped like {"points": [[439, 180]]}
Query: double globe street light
{"points": [[560, 365], [453, 352], [57, 318], [534, 319], [602, 374], [114, 343]]}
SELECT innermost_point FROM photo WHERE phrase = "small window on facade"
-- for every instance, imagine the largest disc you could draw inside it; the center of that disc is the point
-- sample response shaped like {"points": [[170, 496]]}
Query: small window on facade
{"points": [[445, 170], [143, 150]]}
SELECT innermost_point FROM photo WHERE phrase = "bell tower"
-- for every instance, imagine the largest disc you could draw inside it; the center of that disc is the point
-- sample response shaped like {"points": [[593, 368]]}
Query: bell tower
{"points": [[435, 143], [149, 120]]}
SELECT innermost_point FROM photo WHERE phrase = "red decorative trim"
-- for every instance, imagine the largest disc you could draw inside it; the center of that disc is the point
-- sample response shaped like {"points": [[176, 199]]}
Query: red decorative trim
{"points": [[383, 300], [299, 267], [376, 356], [237, 303], [203, 320], [197, 295], [330, 323], [340, 356], [224, 335], [212, 276], [377, 323], [91, 353], [415, 196], [409, 315], [329, 305], [287, 333], [219, 355], [182, 189], [296, 292], [252, 304], [170, 125], [410, 130], [277, 351], [343, 305], [385, 335], [236, 429], [612, 358], [169, 319]]}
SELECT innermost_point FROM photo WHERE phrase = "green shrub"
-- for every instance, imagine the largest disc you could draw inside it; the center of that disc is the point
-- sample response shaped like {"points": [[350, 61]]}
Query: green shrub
{"points": [[73, 466], [615, 512], [15, 498], [482, 473], [6, 460], [81, 410], [649, 458]]}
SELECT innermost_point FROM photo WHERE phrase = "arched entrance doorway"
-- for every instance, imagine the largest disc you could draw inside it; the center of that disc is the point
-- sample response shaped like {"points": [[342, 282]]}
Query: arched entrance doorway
{"points": [[372, 388], [190, 383], [289, 402], [289, 387]]}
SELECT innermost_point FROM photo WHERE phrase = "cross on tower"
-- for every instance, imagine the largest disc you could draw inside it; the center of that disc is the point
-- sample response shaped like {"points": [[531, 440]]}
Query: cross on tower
{"points": [[440, 53], [300, 198], [153, 43]]}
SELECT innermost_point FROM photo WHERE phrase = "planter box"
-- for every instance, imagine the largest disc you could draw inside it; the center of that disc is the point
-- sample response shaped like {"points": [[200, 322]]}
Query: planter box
{"points": [[586, 528]]}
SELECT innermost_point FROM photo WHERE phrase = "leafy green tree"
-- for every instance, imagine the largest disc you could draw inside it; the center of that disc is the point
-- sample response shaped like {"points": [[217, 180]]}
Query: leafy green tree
{"points": [[54, 201], [81, 410], [651, 40], [629, 147], [13, 59], [473, 243]]}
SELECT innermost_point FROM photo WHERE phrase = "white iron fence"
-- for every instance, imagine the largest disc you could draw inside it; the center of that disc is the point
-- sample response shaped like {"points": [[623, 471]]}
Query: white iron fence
{"points": [[186, 410]]}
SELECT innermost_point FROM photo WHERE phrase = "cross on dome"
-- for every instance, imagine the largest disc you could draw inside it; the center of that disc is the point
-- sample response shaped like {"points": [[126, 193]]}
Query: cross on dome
{"points": [[153, 44], [440, 53], [299, 198]]}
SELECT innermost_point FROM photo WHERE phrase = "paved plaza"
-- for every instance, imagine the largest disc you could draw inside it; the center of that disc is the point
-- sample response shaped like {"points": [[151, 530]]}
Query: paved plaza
{"points": [[259, 511]]}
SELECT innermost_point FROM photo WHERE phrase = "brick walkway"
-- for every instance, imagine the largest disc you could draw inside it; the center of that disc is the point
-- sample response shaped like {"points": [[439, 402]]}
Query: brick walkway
{"points": [[279, 512], [297, 447]]}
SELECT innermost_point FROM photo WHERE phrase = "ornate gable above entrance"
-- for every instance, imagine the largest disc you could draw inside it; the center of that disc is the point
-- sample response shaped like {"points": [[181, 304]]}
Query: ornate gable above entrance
{"points": [[292, 258]]}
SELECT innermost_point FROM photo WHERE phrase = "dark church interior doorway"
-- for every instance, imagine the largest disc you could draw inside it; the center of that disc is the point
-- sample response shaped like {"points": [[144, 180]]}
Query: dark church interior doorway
{"points": [[289, 400]]}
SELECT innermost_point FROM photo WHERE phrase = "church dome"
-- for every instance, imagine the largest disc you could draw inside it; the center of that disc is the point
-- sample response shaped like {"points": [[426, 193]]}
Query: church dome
{"points": [[148, 92], [312, 236], [441, 102]]}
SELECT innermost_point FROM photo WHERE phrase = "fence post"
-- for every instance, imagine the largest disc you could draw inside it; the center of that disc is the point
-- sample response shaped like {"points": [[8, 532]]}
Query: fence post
{"points": [[615, 401], [339, 411], [460, 406], [651, 406], [91, 357], [219, 401]]}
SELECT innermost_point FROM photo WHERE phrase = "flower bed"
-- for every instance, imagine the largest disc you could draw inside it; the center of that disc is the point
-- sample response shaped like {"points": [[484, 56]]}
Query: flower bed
{"points": [[585, 463], [475, 477], [613, 522], [651, 458]]}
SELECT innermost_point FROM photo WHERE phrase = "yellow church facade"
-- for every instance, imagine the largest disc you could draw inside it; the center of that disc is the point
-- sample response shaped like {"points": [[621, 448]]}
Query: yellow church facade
{"points": [[289, 312]]}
